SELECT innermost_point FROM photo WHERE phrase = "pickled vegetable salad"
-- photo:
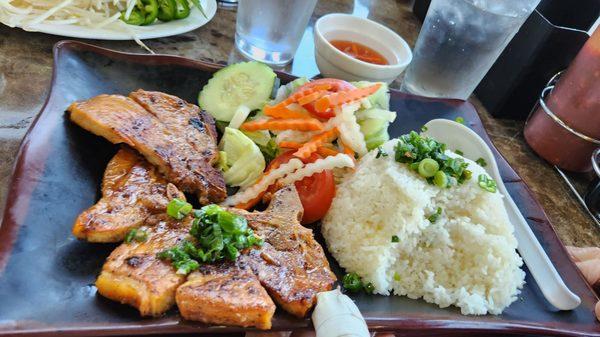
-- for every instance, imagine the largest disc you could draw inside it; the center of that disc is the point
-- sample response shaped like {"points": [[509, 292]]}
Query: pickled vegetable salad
{"points": [[294, 133]]}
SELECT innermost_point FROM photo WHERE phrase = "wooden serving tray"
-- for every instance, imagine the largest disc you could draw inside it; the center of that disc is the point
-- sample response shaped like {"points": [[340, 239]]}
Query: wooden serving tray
{"points": [[47, 276]]}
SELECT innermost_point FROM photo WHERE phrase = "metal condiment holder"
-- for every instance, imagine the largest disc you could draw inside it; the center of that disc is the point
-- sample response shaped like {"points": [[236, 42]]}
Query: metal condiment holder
{"points": [[595, 157], [541, 102]]}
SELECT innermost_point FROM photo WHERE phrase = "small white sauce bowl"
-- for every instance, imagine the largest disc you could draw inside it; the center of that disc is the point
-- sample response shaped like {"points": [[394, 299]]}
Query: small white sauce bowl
{"points": [[335, 63]]}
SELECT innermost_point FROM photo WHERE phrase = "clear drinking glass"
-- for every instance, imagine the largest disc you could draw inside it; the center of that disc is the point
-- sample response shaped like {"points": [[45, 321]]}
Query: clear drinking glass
{"points": [[270, 30], [459, 42]]}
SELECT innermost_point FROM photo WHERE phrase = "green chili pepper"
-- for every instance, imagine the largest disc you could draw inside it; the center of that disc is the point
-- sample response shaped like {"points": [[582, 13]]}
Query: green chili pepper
{"points": [[144, 13], [135, 18], [151, 11], [182, 9], [166, 10]]}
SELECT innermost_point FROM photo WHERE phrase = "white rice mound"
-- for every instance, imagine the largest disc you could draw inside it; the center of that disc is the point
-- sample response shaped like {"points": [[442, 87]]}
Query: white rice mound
{"points": [[466, 258]]}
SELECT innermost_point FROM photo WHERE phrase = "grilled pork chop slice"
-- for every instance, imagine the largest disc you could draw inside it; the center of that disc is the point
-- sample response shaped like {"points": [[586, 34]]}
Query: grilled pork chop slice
{"points": [[183, 148], [291, 264], [132, 189], [225, 294], [134, 275]]}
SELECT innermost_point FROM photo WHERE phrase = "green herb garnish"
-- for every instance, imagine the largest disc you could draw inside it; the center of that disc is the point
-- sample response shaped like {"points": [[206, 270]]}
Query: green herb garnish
{"points": [[481, 162], [178, 208], [136, 234], [424, 128], [217, 235], [459, 152], [353, 283], [435, 216], [426, 156], [460, 120], [381, 153], [396, 277], [395, 238], [487, 183]]}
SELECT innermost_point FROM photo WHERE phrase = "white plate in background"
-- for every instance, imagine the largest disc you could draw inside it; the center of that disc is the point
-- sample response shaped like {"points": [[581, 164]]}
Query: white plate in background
{"points": [[156, 30]]}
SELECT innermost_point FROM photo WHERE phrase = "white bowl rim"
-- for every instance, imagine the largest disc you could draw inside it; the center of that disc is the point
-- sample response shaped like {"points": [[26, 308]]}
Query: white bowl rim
{"points": [[371, 22]]}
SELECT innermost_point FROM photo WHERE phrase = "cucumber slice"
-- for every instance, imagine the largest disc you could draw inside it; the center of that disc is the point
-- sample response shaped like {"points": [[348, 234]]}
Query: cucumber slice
{"points": [[387, 115], [372, 126], [376, 140], [247, 83], [381, 98], [243, 159]]}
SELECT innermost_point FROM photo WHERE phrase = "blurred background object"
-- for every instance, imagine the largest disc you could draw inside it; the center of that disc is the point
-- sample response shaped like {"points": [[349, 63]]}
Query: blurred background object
{"points": [[458, 43], [270, 30], [565, 127], [546, 43]]}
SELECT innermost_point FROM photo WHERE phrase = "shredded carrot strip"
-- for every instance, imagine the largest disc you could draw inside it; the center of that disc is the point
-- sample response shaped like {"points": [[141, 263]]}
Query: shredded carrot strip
{"points": [[312, 97], [336, 85], [346, 149], [343, 97], [284, 112], [312, 145], [290, 145], [293, 98], [325, 151], [305, 124]]}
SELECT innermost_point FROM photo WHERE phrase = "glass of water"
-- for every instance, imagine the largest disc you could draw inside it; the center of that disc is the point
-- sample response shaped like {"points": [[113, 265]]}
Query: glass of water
{"points": [[459, 42], [270, 30]]}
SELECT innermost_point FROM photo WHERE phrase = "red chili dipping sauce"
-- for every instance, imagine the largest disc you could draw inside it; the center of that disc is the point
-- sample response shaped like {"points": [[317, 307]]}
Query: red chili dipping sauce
{"points": [[576, 101], [360, 52]]}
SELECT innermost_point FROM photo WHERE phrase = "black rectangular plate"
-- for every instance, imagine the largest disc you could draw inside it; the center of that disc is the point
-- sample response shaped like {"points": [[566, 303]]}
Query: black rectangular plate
{"points": [[47, 276]]}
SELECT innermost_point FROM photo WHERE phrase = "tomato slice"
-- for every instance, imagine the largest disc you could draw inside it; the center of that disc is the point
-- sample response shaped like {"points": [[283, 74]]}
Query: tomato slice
{"points": [[316, 192], [336, 85]]}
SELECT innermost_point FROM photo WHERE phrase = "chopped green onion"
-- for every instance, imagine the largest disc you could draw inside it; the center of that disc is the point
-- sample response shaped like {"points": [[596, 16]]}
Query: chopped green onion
{"points": [[435, 216], [352, 282], [395, 238], [487, 183], [440, 179], [459, 152], [178, 208], [424, 128], [420, 153], [136, 234], [460, 120], [218, 235], [481, 162], [428, 167], [396, 277]]}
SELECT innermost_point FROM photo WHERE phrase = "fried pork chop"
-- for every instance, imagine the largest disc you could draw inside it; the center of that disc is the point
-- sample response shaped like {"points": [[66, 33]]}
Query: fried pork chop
{"points": [[291, 264], [290, 267], [134, 275], [132, 189], [175, 136], [225, 294]]}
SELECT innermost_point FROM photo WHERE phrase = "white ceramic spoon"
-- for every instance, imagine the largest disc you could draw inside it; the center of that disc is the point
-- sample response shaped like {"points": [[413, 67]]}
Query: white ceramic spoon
{"points": [[458, 136]]}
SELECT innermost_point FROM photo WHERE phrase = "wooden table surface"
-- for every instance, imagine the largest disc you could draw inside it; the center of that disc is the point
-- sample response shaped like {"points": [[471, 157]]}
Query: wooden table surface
{"points": [[26, 67]]}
